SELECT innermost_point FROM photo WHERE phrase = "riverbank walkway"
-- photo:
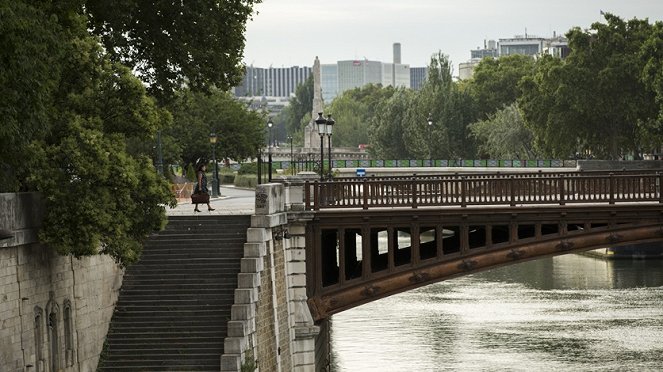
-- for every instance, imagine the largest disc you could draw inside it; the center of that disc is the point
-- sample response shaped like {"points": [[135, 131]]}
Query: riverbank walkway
{"points": [[233, 201]]}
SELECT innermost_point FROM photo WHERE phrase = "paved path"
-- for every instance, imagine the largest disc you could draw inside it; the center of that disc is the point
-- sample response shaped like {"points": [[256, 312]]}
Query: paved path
{"points": [[231, 201]]}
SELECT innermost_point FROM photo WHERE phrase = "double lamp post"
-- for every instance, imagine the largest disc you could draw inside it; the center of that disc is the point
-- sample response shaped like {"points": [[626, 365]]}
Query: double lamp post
{"points": [[325, 127]]}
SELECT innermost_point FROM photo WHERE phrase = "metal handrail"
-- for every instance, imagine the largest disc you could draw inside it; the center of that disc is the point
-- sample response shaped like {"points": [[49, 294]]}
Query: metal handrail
{"points": [[485, 189]]}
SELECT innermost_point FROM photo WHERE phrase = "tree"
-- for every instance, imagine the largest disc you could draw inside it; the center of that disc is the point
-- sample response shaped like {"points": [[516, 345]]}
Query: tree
{"points": [[494, 83], [169, 44], [99, 198], [195, 115], [26, 84], [652, 77], [298, 113], [504, 135], [354, 110], [596, 99], [387, 133], [451, 109]]}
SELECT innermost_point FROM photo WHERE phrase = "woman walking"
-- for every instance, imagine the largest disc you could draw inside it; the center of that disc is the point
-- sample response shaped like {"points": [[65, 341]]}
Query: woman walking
{"points": [[201, 192]]}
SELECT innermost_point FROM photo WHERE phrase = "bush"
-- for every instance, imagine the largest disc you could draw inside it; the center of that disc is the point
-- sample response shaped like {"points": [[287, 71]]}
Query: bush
{"points": [[248, 168], [246, 180], [227, 178], [190, 173]]}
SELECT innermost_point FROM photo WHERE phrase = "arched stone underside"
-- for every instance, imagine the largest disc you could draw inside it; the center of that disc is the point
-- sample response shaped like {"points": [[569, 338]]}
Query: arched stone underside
{"points": [[406, 249]]}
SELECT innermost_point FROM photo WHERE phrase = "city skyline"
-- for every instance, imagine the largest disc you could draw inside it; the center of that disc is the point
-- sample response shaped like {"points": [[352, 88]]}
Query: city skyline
{"points": [[287, 33]]}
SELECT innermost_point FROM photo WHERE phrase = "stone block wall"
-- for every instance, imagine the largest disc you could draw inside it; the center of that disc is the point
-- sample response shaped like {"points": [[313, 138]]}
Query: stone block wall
{"points": [[273, 329], [54, 310]]}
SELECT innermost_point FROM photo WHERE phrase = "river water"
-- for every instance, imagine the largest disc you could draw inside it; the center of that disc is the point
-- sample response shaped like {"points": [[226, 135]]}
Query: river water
{"points": [[567, 313]]}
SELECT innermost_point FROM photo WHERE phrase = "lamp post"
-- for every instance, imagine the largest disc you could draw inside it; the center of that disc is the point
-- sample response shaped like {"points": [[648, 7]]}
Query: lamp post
{"points": [[322, 129], [215, 181], [292, 159], [330, 125], [269, 159], [159, 154], [430, 127]]}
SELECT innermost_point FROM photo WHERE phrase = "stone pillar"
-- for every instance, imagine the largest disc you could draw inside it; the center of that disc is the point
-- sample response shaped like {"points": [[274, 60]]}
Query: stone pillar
{"points": [[271, 327], [311, 135]]}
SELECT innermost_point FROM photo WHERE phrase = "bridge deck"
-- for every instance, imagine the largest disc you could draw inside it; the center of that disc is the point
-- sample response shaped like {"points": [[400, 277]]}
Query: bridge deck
{"points": [[372, 238]]}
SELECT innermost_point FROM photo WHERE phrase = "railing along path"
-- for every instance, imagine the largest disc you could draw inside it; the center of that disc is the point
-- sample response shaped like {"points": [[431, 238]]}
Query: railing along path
{"points": [[485, 189]]}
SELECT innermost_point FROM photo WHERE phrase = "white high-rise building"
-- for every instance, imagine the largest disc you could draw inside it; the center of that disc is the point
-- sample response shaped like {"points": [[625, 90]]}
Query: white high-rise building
{"points": [[329, 81]]}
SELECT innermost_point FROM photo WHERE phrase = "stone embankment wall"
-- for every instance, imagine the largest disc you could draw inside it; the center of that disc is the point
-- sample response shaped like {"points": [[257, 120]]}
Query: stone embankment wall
{"points": [[271, 328], [54, 310]]}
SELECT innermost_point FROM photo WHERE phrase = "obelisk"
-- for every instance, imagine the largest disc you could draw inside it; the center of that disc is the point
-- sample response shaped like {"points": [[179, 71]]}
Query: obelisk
{"points": [[311, 135]]}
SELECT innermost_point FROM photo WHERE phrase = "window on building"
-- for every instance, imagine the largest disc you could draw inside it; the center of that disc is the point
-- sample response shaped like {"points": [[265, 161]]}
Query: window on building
{"points": [[68, 333], [39, 339], [53, 337]]}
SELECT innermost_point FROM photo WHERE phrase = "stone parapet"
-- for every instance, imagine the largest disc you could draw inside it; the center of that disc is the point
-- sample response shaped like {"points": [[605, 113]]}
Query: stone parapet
{"points": [[271, 327]]}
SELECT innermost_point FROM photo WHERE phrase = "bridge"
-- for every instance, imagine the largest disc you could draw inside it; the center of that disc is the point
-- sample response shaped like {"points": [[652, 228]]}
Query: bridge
{"points": [[375, 237], [214, 293]]}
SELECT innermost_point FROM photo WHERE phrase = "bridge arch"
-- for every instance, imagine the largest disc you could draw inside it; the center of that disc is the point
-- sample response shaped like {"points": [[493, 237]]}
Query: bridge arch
{"points": [[355, 257]]}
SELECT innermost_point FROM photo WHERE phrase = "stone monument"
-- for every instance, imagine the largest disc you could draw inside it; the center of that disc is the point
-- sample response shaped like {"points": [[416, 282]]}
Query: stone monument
{"points": [[311, 135]]}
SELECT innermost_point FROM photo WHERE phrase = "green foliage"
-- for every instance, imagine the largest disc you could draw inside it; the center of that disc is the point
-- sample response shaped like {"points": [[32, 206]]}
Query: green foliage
{"points": [[246, 180], [30, 52], [594, 101], [651, 131], [494, 83], [387, 129], [298, 112], [504, 135], [248, 168], [190, 172], [68, 113], [169, 44], [227, 178], [354, 110], [398, 122], [451, 109], [240, 132]]}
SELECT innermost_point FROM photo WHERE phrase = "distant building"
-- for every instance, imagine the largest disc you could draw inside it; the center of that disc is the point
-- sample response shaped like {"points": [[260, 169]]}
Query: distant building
{"points": [[489, 50], [528, 45], [271, 82], [523, 45], [329, 81], [334, 78], [418, 76]]}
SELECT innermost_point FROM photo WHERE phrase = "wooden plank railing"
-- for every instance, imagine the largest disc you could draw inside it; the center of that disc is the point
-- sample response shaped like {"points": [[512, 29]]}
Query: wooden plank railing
{"points": [[464, 190]]}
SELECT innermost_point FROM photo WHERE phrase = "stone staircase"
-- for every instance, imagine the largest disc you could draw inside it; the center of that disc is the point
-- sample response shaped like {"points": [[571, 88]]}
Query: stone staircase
{"points": [[175, 303]]}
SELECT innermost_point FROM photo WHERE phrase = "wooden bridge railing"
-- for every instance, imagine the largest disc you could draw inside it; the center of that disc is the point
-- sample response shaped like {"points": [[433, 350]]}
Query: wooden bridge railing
{"points": [[485, 189]]}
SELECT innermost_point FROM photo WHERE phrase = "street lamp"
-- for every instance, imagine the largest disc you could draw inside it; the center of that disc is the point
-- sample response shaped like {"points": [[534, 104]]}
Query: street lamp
{"points": [[292, 159], [430, 127], [269, 159], [215, 181], [322, 129], [330, 125]]}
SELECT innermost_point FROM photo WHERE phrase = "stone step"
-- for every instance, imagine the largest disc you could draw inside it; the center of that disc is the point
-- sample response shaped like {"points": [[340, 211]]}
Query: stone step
{"points": [[182, 280], [175, 285], [174, 305], [166, 342], [182, 306]]}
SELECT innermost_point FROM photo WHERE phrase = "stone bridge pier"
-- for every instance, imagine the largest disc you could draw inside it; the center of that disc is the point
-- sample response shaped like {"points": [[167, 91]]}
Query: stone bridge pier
{"points": [[271, 327]]}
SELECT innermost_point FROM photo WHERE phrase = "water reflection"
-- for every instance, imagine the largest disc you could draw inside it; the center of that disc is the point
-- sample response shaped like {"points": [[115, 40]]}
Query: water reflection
{"points": [[570, 312]]}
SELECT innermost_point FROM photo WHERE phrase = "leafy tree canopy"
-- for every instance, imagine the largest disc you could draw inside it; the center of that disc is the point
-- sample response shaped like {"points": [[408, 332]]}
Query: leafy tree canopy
{"points": [[69, 107], [196, 115], [504, 135], [354, 110], [494, 83], [594, 101], [170, 43]]}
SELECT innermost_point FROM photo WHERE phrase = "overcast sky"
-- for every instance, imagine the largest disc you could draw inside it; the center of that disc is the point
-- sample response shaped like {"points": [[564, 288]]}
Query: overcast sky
{"points": [[287, 33]]}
